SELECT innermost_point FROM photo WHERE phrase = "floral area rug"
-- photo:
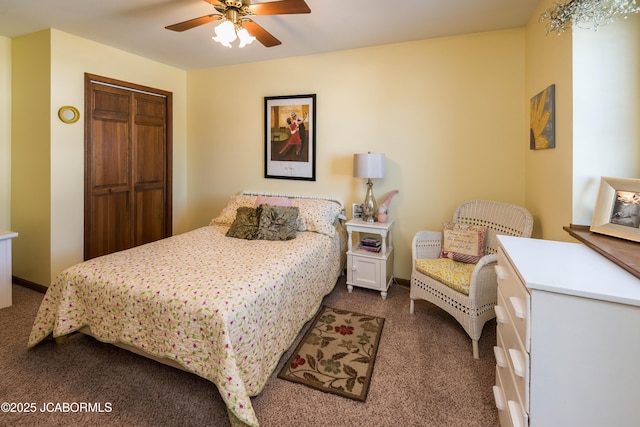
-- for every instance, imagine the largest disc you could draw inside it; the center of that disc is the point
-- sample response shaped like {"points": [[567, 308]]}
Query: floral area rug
{"points": [[337, 353]]}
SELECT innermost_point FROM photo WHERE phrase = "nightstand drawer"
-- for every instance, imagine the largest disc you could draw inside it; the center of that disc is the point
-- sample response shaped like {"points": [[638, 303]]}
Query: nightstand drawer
{"points": [[517, 300]]}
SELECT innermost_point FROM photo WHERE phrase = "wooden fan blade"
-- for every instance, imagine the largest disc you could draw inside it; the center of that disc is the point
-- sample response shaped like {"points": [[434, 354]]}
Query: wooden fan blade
{"points": [[260, 33], [281, 7], [214, 2], [192, 23]]}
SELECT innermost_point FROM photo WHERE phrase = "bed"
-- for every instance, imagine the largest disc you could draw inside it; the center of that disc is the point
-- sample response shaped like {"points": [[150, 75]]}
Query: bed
{"points": [[224, 308]]}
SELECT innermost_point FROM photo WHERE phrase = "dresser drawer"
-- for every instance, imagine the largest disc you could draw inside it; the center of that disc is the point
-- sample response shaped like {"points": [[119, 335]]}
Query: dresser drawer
{"points": [[510, 411], [517, 300], [504, 369], [515, 357], [501, 401]]}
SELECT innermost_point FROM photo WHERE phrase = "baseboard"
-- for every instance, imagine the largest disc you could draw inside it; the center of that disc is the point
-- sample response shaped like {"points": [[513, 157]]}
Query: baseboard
{"points": [[28, 284], [403, 282]]}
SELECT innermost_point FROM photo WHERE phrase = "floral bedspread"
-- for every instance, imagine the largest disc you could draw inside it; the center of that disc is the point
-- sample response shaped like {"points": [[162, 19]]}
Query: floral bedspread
{"points": [[225, 309]]}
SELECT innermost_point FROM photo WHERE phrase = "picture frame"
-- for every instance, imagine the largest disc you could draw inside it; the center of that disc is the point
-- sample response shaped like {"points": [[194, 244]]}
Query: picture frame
{"points": [[542, 125], [357, 210], [290, 137], [617, 209]]}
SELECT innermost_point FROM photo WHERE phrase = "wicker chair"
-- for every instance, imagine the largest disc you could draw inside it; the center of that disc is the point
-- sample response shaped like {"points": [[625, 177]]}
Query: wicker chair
{"points": [[474, 310]]}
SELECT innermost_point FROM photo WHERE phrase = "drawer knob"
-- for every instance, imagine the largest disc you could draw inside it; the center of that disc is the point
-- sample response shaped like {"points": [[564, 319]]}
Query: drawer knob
{"points": [[500, 356], [517, 358], [518, 307], [499, 314], [518, 418], [499, 398]]}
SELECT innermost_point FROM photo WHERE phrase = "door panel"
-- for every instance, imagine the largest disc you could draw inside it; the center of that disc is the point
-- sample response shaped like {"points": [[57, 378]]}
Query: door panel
{"points": [[109, 212], [150, 215], [149, 168], [111, 103], [109, 153], [149, 154]]}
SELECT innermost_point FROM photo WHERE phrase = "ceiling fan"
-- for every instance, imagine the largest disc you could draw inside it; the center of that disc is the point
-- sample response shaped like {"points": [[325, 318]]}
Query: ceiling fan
{"points": [[237, 14]]}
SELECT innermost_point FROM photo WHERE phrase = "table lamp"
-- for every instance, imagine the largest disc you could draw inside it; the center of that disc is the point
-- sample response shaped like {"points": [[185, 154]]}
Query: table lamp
{"points": [[369, 165]]}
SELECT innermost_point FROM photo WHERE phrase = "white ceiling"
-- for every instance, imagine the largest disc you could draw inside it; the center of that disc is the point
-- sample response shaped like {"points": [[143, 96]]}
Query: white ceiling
{"points": [[137, 26]]}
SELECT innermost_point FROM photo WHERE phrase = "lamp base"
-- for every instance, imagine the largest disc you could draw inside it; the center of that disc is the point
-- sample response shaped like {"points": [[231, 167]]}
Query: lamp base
{"points": [[369, 206]]}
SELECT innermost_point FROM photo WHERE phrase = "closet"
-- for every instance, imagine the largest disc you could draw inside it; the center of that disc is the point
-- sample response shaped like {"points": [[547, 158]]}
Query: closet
{"points": [[127, 165]]}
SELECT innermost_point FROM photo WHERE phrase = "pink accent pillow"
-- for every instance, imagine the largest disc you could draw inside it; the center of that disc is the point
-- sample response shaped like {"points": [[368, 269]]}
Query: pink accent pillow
{"points": [[463, 242], [272, 201]]}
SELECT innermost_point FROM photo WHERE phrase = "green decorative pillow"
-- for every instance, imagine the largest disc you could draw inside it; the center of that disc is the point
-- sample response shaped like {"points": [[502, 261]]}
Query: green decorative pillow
{"points": [[463, 242], [245, 226], [278, 222]]}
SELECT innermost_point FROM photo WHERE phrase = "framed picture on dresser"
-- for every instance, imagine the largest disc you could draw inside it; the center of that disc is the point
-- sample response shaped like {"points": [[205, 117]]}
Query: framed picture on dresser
{"points": [[617, 209]]}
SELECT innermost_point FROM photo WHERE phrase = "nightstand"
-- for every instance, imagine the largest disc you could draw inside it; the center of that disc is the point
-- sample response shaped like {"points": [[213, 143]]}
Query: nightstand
{"points": [[366, 268]]}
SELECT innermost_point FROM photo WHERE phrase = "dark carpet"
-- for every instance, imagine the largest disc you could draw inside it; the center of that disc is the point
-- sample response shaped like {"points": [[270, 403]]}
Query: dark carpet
{"points": [[424, 375]]}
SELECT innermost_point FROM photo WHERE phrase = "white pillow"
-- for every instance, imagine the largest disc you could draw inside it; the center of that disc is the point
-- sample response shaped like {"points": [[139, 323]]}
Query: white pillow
{"points": [[228, 214], [317, 215]]}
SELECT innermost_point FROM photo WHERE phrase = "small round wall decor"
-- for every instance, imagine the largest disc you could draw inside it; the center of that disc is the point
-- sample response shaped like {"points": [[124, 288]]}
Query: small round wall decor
{"points": [[68, 114]]}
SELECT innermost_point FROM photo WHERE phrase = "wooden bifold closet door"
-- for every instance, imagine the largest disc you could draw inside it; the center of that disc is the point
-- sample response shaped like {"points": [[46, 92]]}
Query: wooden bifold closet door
{"points": [[127, 165]]}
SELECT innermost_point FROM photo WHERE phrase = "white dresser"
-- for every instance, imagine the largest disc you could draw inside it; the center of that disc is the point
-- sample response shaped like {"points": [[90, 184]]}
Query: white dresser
{"points": [[5, 267], [568, 337]]}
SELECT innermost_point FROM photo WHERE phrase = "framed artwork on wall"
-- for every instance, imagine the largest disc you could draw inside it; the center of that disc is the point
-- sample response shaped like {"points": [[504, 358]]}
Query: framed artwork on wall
{"points": [[290, 142], [617, 210], [542, 125]]}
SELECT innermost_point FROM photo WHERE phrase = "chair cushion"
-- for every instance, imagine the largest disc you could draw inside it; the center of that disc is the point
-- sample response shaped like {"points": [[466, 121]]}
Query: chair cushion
{"points": [[454, 274]]}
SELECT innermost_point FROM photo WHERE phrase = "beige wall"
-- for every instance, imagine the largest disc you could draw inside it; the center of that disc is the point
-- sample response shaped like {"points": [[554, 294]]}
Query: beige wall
{"points": [[30, 156], [549, 172], [451, 115], [448, 113], [56, 156], [5, 133]]}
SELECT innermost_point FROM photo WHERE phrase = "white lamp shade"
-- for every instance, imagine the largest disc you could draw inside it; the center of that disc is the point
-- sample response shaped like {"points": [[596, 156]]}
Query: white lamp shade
{"points": [[369, 165]]}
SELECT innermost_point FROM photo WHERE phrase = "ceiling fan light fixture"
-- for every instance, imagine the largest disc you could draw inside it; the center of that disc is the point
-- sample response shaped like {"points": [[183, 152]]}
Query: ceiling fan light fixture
{"points": [[225, 33], [245, 37], [234, 15]]}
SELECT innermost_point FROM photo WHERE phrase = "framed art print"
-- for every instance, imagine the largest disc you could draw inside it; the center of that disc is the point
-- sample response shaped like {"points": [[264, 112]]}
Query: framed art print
{"points": [[542, 125], [617, 210], [356, 210], [290, 143]]}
